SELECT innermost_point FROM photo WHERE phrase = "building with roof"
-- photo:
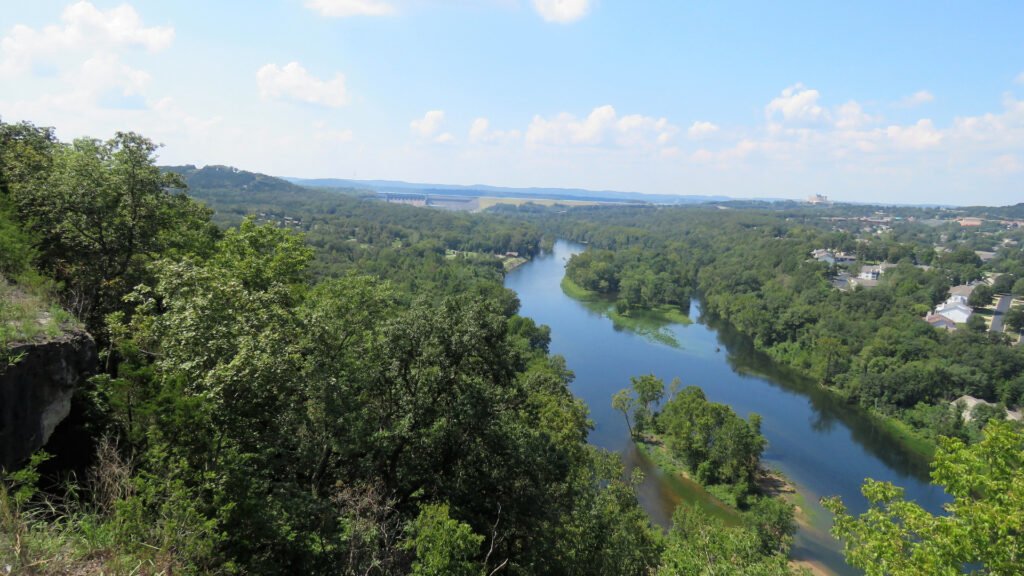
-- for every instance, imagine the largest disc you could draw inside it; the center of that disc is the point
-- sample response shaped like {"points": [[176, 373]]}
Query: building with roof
{"points": [[956, 311], [939, 321]]}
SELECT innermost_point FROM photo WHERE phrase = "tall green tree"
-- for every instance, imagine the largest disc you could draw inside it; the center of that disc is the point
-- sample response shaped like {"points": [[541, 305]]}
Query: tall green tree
{"points": [[624, 402], [103, 211]]}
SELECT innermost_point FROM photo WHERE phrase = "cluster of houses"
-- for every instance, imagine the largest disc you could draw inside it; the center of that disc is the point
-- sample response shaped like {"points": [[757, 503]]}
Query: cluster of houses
{"points": [[868, 276], [954, 310], [832, 257]]}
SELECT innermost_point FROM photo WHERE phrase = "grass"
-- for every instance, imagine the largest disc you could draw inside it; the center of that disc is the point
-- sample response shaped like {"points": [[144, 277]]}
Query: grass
{"points": [[512, 262], [577, 292], [28, 313], [905, 435]]}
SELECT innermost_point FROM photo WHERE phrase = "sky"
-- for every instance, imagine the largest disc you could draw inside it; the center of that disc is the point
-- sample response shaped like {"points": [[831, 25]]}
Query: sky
{"points": [[897, 102]]}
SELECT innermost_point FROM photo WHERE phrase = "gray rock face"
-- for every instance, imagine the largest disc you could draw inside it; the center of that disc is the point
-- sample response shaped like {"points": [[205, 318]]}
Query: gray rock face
{"points": [[35, 393]]}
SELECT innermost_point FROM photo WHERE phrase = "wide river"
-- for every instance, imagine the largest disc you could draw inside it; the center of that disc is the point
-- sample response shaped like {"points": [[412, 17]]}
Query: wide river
{"points": [[822, 445]]}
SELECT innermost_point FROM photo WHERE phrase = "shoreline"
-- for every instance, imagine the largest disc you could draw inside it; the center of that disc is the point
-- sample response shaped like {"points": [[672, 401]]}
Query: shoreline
{"points": [[647, 322], [908, 438]]}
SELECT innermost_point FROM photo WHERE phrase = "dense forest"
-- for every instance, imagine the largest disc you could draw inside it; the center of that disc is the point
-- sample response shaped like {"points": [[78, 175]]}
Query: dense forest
{"points": [[277, 399], [355, 232]]}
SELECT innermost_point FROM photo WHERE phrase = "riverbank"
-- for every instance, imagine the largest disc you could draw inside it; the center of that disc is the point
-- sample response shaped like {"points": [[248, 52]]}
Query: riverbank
{"points": [[689, 490], [896, 430], [648, 322], [821, 443], [510, 263]]}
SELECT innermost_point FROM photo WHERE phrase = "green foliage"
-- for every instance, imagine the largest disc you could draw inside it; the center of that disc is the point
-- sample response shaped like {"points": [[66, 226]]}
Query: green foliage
{"points": [[420, 251], [715, 443], [979, 535], [976, 323], [981, 296], [443, 546], [16, 246], [772, 520], [1015, 318], [698, 545], [624, 402], [101, 211], [306, 419]]}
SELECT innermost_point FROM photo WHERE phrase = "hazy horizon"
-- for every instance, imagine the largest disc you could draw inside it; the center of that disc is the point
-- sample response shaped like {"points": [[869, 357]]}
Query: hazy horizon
{"points": [[915, 103]]}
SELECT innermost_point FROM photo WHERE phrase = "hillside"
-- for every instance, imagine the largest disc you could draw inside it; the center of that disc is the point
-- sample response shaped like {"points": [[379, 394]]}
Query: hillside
{"points": [[215, 177]]}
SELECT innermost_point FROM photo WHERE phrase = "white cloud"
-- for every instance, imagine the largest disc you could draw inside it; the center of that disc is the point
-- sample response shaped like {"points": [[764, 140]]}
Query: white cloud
{"points": [[85, 30], [601, 127], [1020, 78], [346, 8], [797, 103], [916, 99], [428, 125], [562, 11], [444, 138], [916, 136], [701, 129], [851, 116], [295, 83], [480, 132], [82, 55]]}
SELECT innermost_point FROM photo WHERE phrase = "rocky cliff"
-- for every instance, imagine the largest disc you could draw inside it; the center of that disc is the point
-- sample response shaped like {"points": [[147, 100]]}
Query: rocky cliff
{"points": [[35, 393]]}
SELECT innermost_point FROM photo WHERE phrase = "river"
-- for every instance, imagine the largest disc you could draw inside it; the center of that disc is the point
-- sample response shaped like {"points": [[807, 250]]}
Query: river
{"points": [[822, 445]]}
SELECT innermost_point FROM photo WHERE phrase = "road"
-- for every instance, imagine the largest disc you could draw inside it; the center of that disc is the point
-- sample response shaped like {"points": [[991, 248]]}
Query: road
{"points": [[1001, 309]]}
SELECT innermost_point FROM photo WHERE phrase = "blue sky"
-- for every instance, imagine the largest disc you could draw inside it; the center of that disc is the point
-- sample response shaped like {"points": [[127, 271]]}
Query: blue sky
{"points": [[865, 101]]}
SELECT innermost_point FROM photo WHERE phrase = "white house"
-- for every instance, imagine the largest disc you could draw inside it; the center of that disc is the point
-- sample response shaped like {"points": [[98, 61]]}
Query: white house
{"points": [[956, 311], [874, 272], [957, 299]]}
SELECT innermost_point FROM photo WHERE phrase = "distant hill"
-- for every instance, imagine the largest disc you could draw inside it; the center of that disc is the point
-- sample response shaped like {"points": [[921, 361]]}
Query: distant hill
{"points": [[503, 192], [210, 178], [234, 194], [1014, 212]]}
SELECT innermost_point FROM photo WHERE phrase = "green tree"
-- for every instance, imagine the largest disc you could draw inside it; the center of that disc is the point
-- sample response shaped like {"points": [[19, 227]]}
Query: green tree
{"points": [[624, 402], [981, 529], [1003, 284], [1015, 318], [976, 323], [981, 296], [102, 213], [773, 521], [443, 546], [701, 546], [649, 391]]}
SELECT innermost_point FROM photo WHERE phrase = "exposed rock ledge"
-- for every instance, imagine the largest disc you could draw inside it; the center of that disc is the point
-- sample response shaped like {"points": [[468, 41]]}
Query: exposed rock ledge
{"points": [[35, 393]]}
